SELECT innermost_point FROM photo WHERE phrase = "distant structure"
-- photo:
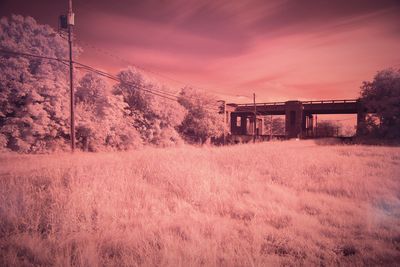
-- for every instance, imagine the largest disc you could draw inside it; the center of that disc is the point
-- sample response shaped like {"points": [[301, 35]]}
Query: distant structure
{"points": [[299, 115]]}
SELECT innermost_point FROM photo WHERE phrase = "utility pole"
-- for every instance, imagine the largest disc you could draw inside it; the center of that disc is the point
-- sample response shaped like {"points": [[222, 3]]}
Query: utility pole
{"points": [[223, 107], [70, 22], [225, 122], [255, 118], [270, 132]]}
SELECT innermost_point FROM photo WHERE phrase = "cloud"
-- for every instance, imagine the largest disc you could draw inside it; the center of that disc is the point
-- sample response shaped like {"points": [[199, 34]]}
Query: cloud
{"points": [[279, 49]]}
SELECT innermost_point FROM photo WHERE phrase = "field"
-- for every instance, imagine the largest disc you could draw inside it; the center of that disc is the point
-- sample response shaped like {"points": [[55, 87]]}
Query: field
{"points": [[270, 204]]}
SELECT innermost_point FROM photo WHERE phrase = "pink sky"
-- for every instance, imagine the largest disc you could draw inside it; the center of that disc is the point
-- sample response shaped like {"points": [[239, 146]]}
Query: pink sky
{"points": [[280, 50]]}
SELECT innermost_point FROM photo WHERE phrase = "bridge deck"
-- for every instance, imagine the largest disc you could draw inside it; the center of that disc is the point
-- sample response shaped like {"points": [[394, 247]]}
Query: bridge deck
{"points": [[331, 107], [346, 106]]}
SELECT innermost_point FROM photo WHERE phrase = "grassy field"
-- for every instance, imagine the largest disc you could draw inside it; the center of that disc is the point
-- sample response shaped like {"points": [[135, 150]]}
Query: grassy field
{"points": [[279, 203]]}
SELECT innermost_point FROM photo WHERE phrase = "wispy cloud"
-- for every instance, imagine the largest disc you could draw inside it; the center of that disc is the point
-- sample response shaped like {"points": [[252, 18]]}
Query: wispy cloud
{"points": [[281, 49]]}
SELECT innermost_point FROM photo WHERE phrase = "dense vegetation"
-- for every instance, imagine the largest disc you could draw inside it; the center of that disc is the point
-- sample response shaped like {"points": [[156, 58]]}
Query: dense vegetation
{"points": [[34, 101]]}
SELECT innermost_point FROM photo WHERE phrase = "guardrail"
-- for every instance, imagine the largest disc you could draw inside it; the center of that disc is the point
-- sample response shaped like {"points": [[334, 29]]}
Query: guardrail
{"points": [[335, 101], [339, 101], [261, 104]]}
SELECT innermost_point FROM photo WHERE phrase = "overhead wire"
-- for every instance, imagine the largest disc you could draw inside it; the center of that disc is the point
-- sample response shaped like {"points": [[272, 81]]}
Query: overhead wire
{"points": [[104, 74], [110, 54], [112, 77], [157, 73], [156, 92], [3, 51], [159, 93], [152, 91], [116, 77], [114, 56]]}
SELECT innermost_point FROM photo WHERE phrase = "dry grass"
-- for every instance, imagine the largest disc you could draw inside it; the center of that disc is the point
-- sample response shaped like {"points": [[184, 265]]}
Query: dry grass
{"points": [[283, 203]]}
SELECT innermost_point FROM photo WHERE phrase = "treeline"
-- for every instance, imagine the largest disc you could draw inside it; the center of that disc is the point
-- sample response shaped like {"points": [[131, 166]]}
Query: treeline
{"points": [[34, 101]]}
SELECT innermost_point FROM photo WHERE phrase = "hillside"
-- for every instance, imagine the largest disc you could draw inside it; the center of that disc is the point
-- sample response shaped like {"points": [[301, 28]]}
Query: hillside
{"points": [[279, 203]]}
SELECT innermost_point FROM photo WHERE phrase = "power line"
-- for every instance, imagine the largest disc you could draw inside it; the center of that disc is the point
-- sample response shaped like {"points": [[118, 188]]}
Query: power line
{"points": [[160, 74], [159, 93], [104, 74], [152, 91], [83, 65], [114, 78], [32, 55], [110, 54]]}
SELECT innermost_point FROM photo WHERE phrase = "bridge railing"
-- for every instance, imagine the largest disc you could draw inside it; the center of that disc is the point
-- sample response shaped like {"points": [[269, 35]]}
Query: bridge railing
{"points": [[336, 101], [261, 104]]}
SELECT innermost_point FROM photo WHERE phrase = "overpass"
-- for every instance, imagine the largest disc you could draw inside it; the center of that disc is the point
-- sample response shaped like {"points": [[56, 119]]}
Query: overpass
{"points": [[299, 115]]}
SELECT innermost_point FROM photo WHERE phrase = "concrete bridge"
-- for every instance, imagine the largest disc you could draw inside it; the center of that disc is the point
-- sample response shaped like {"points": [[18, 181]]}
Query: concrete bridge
{"points": [[299, 115]]}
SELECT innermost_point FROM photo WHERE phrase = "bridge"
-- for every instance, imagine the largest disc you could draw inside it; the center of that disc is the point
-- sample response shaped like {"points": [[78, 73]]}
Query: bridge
{"points": [[299, 115]]}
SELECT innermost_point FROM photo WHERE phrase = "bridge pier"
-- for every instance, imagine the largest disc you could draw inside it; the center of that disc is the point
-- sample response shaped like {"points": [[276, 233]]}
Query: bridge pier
{"points": [[293, 119], [238, 123], [309, 126], [361, 116]]}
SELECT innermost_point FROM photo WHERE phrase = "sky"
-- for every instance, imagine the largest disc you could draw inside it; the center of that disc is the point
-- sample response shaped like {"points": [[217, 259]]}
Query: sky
{"points": [[280, 50]]}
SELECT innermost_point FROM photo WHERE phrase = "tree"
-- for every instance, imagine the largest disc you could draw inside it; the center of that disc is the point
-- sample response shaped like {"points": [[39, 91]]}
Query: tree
{"points": [[33, 92], [202, 120], [327, 129], [382, 97], [102, 120], [277, 124], [156, 118]]}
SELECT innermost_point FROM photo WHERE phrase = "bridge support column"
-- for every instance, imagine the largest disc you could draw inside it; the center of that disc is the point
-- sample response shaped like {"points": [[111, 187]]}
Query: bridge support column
{"points": [[304, 119], [293, 119], [238, 124], [361, 116], [259, 126], [309, 128], [360, 128]]}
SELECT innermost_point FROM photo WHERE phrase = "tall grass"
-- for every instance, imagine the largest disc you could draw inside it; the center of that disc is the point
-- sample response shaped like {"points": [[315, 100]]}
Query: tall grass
{"points": [[282, 203]]}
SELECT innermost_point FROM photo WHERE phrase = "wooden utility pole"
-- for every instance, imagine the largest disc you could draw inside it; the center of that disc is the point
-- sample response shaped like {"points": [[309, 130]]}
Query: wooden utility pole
{"points": [[70, 21], [255, 118], [223, 107], [270, 132], [225, 122]]}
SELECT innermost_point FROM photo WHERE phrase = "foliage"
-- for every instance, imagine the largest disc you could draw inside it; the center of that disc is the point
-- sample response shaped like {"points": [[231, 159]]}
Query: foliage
{"points": [[3, 143], [327, 129], [102, 121], [33, 92], [202, 120], [382, 97], [155, 117], [34, 99], [276, 126]]}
